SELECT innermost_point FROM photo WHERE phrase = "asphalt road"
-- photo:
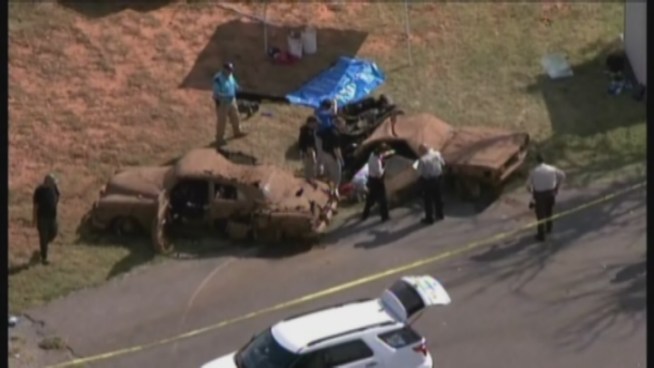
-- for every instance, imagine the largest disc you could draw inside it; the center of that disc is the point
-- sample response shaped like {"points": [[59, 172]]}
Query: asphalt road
{"points": [[576, 301]]}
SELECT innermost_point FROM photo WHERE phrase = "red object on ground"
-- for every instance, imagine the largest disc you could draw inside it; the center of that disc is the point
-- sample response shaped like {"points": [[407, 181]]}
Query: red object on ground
{"points": [[284, 58], [346, 190]]}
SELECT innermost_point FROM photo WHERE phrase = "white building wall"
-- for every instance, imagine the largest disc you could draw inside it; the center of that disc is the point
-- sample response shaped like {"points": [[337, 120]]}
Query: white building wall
{"points": [[635, 37]]}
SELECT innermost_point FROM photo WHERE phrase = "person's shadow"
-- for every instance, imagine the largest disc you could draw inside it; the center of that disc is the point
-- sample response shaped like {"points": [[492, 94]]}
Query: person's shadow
{"points": [[383, 237], [34, 260]]}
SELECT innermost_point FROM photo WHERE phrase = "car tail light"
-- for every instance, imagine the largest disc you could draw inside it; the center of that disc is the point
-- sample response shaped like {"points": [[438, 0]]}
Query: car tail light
{"points": [[422, 348]]}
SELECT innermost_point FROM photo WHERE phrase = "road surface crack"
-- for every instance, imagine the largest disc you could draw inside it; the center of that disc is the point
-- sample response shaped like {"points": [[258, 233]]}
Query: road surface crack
{"points": [[40, 327]]}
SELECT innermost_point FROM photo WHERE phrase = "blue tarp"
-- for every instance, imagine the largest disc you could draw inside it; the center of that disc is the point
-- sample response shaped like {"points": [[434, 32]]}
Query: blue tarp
{"points": [[349, 80]]}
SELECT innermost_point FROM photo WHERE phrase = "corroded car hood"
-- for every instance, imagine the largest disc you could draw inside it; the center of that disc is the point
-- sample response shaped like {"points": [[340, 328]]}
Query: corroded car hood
{"points": [[144, 181], [284, 192], [483, 147], [470, 146]]}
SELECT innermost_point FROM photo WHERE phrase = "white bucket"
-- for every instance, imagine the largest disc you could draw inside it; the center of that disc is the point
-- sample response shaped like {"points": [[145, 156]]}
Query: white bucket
{"points": [[309, 40], [295, 45]]}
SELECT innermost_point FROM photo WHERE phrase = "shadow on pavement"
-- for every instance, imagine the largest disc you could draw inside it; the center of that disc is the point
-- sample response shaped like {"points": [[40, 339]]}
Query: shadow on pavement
{"points": [[515, 263], [621, 303], [387, 233], [497, 252], [523, 266], [384, 237]]}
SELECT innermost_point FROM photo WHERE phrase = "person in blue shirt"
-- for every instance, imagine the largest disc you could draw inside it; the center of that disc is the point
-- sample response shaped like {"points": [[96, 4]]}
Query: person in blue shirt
{"points": [[326, 115], [224, 95], [327, 141]]}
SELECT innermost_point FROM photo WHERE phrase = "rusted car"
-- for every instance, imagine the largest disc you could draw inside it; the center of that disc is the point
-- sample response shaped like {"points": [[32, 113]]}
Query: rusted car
{"points": [[205, 188], [478, 159]]}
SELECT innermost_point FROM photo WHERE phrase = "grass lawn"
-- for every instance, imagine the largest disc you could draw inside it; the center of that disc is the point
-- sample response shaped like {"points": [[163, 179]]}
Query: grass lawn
{"points": [[98, 88]]}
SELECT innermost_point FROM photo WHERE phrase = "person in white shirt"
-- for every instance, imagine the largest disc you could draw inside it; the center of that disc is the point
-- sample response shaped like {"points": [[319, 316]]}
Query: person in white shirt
{"points": [[376, 185], [430, 168], [360, 183], [544, 183]]}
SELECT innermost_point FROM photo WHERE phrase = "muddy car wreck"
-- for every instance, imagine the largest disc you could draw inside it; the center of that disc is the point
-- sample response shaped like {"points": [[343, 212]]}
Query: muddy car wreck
{"points": [[479, 160], [205, 188]]}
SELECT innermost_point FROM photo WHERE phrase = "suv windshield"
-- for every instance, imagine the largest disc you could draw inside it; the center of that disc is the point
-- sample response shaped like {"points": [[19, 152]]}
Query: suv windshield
{"points": [[265, 352]]}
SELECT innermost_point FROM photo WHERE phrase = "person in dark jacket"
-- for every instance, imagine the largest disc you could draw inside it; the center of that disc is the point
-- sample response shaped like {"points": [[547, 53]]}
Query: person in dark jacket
{"points": [[44, 213], [307, 146]]}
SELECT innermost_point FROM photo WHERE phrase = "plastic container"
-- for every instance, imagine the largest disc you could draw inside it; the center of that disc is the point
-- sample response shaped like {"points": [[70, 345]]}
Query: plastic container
{"points": [[309, 41], [295, 45], [556, 66]]}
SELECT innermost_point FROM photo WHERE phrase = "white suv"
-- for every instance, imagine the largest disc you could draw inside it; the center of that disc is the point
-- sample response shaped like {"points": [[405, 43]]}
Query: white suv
{"points": [[361, 334]]}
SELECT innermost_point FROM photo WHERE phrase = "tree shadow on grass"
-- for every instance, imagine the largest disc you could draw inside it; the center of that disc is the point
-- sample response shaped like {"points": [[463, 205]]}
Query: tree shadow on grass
{"points": [[140, 250], [34, 260], [242, 44], [103, 8], [587, 121], [581, 106]]}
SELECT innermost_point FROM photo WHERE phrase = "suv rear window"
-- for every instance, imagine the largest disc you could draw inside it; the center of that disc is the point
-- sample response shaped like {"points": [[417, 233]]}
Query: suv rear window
{"points": [[408, 296], [400, 338]]}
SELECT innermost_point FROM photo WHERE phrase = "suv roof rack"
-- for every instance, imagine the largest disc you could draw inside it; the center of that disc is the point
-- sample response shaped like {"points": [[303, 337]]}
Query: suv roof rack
{"points": [[382, 324], [362, 300]]}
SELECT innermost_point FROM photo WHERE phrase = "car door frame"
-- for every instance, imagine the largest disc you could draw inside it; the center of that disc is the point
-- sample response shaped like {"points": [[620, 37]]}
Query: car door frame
{"points": [[240, 206]]}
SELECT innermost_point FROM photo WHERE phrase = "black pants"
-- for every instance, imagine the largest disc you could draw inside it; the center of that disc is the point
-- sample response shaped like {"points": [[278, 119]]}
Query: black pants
{"points": [[376, 194], [48, 229], [433, 201], [544, 206]]}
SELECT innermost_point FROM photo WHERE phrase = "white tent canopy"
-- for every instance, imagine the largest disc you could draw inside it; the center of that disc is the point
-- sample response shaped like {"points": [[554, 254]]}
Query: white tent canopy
{"points": [[263, 18]]}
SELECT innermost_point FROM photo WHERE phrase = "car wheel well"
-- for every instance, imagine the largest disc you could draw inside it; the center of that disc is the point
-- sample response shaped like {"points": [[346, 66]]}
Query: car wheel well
{"points": [[125, 225]]}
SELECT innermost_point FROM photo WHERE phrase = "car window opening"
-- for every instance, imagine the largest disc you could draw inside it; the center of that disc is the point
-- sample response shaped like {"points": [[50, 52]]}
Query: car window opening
{"points": [[264, 352], [408, 296], [401, 148], [226, 192], [189, 198], [401, 338]]}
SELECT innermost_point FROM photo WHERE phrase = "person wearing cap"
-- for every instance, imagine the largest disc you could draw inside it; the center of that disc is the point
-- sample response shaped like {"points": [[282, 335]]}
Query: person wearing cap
{"points": [[544, 182], [44, 213], [224, 95], [430, 168], [376, 185]]}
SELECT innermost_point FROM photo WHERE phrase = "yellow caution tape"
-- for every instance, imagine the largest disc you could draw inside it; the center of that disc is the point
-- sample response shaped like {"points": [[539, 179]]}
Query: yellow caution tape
{"points": [[345, 286]]}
